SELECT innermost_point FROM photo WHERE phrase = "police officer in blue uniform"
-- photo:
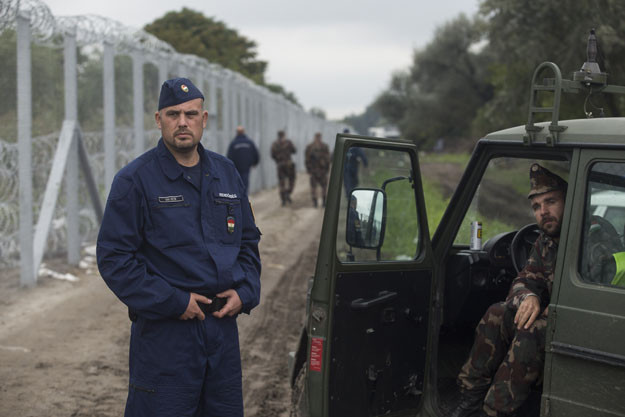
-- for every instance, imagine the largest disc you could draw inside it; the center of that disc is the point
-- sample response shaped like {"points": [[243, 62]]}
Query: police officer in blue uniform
{"points": [[178, 245], [244, 154]]}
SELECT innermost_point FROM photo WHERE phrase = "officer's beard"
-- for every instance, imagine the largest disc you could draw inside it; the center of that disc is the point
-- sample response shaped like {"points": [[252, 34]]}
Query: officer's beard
{"points": [[550, 226]]}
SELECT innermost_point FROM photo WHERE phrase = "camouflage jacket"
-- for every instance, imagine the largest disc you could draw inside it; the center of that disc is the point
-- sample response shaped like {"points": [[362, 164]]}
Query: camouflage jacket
{"points": [[281, 151], [601, 242], [537, 275], [317, 158]]}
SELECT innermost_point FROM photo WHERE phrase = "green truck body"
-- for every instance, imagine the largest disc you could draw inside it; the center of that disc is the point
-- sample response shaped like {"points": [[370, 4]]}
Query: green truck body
{"points": [[390, 317]]}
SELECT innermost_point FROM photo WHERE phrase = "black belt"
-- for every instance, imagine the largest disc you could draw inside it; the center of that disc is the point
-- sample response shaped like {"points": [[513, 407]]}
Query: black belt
{"points": [[216, 305]]}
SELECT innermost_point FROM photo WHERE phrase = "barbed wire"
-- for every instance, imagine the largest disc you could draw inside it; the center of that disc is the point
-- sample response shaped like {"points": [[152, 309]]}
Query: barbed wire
{"points": [[42, 22], [89, 29], [49, 30], [8, 13], [43, 150]]}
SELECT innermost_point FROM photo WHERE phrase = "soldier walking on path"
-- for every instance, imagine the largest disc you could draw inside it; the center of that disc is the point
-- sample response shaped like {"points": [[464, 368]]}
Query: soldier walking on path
{"points": [[281, 151], [244, 154], [318, 165], [355, 155]]}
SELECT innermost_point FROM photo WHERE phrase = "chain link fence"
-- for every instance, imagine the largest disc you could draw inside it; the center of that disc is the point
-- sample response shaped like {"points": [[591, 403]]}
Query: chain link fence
{"points": [[106, 77]]}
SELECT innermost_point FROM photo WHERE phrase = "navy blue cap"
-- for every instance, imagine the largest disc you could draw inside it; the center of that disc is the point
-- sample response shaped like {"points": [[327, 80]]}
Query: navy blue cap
{"points": [[176, 91]]}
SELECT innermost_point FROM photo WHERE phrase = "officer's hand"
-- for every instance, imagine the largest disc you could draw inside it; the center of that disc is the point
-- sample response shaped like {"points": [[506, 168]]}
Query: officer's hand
{"points": [[233, 305], [193, 310], [527, 312]]}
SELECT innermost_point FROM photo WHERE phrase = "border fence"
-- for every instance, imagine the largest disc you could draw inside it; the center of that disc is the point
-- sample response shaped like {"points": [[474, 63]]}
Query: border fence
{"points": [[79, 95]]}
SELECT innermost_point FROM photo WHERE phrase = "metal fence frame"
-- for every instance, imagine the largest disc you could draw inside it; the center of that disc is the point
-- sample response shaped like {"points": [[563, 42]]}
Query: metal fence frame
{"points": [[244, 103]]}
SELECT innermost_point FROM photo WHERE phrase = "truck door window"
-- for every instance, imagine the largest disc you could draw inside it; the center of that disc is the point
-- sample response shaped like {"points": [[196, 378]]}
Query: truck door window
{"points": [[500, 201], [374, 180], [602, 259]]}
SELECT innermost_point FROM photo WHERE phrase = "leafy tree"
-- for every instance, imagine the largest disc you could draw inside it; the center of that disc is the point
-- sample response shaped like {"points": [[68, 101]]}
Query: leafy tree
{"points": [[440, 95], [47, 88], [523, 34], [278, 89], [191, 32], [318, 112], [362, 122], [456, 91]]}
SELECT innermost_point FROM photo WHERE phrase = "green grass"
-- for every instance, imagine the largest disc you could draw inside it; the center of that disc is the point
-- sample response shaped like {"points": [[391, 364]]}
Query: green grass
{"points": [[402, 228], [461, 159], [435, 204]]}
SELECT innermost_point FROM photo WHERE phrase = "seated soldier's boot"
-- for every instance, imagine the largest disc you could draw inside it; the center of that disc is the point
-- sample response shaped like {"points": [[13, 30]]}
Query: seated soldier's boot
{"points": [[314, 202], [469, 405], [283, 198]]}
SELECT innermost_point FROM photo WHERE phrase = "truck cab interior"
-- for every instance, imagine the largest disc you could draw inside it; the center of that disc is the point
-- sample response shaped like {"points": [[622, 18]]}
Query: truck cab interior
{"points": [[476, 277]]}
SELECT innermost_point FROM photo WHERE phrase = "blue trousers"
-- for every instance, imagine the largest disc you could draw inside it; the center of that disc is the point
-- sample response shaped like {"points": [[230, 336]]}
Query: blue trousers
{"points": [[185, 368]]}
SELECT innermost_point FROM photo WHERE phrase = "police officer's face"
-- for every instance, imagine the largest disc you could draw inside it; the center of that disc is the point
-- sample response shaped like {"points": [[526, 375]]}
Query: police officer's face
{"points": [[182, 125], [548, 210]]}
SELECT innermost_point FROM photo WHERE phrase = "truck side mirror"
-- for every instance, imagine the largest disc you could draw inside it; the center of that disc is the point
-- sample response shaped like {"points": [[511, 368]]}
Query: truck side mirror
{"points": [[366, 218]]}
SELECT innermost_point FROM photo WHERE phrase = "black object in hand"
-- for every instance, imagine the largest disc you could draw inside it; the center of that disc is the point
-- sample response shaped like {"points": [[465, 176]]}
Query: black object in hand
{"points": [[216, 305]]}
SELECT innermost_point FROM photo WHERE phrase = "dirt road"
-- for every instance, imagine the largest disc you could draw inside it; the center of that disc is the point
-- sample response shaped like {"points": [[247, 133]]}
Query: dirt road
{"points": [[64, 345]]}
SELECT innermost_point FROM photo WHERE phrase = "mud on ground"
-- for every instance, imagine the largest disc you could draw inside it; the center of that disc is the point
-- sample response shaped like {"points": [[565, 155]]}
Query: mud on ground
{"points": [[64, 345]]}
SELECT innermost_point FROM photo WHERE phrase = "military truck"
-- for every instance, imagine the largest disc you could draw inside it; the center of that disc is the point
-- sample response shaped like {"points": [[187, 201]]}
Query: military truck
{"points": [[392, 308]]}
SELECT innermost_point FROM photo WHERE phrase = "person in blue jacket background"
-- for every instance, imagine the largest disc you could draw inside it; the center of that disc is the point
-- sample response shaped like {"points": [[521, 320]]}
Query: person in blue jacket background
{"points": [[179, 246], [244, 154]]}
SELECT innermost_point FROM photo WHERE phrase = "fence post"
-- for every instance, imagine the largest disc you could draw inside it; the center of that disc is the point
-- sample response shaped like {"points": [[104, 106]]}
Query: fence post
{"points": [[28, 275], [213, 115], [234, 103], [163, 72], [137, 101], [72, 220], [108, 87], [226, 105]]}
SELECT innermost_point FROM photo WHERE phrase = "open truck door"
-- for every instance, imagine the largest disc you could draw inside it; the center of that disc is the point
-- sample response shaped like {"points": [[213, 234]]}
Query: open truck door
{"points": [[370, 301]]}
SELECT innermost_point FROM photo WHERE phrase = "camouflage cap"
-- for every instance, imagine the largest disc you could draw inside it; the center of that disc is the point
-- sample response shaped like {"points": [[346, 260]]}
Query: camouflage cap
{"points": [[542, 181]]}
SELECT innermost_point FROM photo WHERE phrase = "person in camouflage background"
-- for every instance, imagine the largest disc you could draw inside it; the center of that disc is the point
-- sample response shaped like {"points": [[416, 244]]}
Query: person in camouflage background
{"points": [[281, 151], [601, 244], [508, 353], [317, 166]]}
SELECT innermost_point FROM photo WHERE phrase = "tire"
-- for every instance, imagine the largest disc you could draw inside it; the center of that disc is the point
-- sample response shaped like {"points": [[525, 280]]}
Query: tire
{"points": [[299, 399]]}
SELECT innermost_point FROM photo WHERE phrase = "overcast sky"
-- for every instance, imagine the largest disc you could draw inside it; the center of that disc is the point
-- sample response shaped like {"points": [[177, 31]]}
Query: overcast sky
{"points": [[334, 54]]}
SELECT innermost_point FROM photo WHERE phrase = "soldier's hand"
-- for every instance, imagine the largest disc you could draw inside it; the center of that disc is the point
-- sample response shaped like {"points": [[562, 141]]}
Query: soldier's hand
{"points": [[233, 305], [527, 312], [193, 310]]}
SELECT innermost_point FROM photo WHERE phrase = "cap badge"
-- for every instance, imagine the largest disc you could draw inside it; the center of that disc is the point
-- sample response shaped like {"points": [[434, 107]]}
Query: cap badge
{"points": [[184, 88]]}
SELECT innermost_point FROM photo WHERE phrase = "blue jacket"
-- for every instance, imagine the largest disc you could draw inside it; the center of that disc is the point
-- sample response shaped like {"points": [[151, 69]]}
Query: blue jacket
{"points": [[243, 153], [162, 238]]}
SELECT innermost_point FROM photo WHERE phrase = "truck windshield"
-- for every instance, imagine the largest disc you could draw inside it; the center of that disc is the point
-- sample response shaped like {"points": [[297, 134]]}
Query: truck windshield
{"points": [[500, 202]]}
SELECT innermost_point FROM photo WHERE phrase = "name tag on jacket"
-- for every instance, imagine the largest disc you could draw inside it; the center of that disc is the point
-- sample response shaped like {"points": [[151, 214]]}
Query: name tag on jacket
{"points": [[171, 199]]}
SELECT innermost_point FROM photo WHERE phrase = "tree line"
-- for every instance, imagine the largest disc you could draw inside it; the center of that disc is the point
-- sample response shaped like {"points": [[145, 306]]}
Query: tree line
{"points": [[474, 76], [186, 30]]}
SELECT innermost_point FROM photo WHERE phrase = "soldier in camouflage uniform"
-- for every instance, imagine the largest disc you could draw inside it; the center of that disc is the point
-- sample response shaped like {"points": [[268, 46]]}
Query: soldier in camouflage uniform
{"points": [[508, 353], [601, 244], [317, 166], [281, 151]]}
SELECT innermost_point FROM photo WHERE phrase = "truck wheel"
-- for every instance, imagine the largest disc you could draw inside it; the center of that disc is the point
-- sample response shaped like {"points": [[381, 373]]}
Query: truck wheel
{"points": [[299, 399]]}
